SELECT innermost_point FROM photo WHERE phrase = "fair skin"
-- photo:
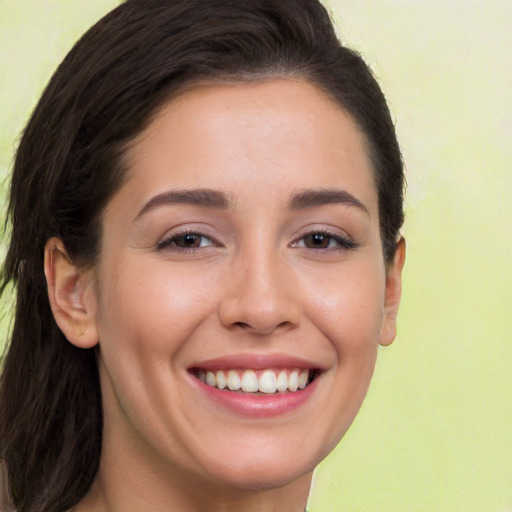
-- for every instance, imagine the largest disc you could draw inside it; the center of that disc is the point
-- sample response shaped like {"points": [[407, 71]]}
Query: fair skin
{"points": [[222, 251]]}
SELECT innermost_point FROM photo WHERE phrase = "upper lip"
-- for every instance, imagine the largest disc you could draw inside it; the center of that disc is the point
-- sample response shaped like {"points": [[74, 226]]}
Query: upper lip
{"points": [[256, 362]]}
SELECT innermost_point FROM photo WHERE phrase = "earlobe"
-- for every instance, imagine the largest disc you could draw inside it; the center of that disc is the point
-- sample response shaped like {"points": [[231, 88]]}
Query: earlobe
{"points": [[71, 296], [392, 295]]}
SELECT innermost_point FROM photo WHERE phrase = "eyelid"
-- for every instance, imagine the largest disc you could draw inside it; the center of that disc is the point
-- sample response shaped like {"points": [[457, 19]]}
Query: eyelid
{"points": [[345, 242], [165, 242]]}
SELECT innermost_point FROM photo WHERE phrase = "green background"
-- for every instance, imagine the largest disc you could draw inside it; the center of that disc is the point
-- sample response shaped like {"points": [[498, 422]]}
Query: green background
{"points": [[435, 432]]}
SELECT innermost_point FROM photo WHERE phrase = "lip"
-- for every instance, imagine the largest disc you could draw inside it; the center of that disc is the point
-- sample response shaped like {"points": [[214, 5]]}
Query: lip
{"points": [[256, 362], [252, 405]]}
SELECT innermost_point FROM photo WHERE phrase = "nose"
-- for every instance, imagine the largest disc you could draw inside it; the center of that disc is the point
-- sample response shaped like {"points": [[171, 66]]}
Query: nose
{"points": [[260, 295]]}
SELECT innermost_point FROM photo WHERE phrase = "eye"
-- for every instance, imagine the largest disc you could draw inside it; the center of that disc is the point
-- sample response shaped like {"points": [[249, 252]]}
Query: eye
{"points": [[186, 241], [323, 240]]}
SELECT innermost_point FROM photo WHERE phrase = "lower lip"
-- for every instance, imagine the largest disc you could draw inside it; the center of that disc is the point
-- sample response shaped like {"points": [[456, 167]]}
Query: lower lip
{"points": [[254, 405]]}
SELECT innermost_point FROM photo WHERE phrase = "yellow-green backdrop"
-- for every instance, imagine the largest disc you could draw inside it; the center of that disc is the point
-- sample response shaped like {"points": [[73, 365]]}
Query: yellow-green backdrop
{"points": [[435, 432]]}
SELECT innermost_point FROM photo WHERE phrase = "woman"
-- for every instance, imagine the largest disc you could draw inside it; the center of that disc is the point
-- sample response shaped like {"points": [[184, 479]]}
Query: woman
{"points": [[206, 207]]}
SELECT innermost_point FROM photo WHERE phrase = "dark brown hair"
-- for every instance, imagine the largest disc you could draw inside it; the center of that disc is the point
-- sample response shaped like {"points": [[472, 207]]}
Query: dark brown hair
{"points": [[69, 164]]}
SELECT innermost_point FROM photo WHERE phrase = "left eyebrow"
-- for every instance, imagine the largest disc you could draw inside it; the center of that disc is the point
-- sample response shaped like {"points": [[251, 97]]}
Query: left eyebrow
{"points": [[311, 198]]}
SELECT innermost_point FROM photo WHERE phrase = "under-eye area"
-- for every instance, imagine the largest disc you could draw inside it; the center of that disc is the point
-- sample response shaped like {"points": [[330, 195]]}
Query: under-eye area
{"points": [[267, 381]]}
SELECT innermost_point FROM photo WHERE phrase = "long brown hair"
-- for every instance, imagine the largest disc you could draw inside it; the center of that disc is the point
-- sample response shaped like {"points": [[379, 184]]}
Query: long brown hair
{"points": [[70, 162]]}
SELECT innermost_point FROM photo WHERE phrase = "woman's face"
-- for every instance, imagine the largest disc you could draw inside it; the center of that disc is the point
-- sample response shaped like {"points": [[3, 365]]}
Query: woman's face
{"points": [[244, 250]]}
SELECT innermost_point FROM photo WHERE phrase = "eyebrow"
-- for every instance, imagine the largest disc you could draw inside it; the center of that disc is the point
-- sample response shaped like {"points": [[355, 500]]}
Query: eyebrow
{"points": [[311, 198], [219, 200], [199, 197]]}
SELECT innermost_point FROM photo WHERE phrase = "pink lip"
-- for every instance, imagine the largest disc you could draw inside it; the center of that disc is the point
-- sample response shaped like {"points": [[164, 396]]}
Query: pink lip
{"points": [[256, 362], [252, 405]]}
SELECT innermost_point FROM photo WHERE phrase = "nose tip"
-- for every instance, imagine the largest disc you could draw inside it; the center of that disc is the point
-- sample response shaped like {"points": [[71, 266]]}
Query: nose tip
{"points": [[260, 300], [249, 316]]}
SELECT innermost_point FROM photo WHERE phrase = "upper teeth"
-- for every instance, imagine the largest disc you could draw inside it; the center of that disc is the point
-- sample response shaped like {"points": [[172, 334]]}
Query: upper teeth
{"points": [[250, 381]]}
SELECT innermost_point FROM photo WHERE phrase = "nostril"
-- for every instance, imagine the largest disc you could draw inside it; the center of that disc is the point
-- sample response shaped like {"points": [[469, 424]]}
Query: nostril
{"points": [[242, 325], [262, 329]]}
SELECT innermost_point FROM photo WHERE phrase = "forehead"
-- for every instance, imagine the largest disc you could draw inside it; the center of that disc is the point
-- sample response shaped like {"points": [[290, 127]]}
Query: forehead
{"points": [[264, 137]]}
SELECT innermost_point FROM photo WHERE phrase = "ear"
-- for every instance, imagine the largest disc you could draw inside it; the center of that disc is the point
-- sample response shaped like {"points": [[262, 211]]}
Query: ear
{"points": [[71, 295], [392, 295]]}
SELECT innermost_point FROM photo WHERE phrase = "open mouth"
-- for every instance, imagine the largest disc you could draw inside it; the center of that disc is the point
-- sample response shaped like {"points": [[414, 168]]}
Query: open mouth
{"points": [[269, 381]]}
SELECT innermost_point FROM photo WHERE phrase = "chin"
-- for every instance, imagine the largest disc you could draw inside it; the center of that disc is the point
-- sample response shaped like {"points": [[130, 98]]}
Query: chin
{"points": [[263, 479], [267, 471]]}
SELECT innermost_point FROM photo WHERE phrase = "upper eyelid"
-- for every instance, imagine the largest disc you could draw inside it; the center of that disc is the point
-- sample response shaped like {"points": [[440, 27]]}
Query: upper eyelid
{"points": [[164, 240], [333, 232], [177, 232], [338, 239], [189, 230], [344, 241]]}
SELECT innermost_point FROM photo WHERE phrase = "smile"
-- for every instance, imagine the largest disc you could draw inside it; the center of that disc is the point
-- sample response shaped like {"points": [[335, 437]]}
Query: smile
{"points": [[258, 386], [266, 381]]}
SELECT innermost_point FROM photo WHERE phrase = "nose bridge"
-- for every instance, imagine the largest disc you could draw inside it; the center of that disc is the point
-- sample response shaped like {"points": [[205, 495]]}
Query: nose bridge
{"points": [[259, 295]]}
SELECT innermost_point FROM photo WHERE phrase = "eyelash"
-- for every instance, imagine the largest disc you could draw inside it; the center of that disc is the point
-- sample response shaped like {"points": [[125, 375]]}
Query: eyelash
{"points": [[343, 243], [169, 244]]}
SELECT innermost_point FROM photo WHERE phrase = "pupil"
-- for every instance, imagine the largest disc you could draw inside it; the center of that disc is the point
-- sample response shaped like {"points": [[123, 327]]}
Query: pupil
{"points": [[190, 240], [318, 240]]}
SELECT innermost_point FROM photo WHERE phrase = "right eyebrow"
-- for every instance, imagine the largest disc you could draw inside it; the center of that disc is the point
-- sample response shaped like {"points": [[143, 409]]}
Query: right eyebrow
{"points": [[205, 197]]}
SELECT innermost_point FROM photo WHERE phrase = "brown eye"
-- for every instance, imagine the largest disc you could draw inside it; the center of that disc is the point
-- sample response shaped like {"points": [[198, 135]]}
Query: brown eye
{"points": [[190, 240], [185, 241], [319, 241]]}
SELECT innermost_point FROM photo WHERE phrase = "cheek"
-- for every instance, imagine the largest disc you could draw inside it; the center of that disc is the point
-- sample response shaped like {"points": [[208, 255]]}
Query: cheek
{"points": [[152, 307], [146, 315], [348, 306], [347, 309]]}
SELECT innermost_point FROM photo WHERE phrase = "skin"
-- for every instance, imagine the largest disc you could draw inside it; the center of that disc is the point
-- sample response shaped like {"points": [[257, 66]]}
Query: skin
{"points": [[254, 285]]}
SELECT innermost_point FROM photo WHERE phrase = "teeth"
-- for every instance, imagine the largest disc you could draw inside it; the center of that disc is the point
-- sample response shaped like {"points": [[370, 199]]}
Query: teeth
{"points": [[293, 381], [268, 381], [282, 381], [210, 379], [303, 379], [221, 380], [249, 382], [233, 381]]}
